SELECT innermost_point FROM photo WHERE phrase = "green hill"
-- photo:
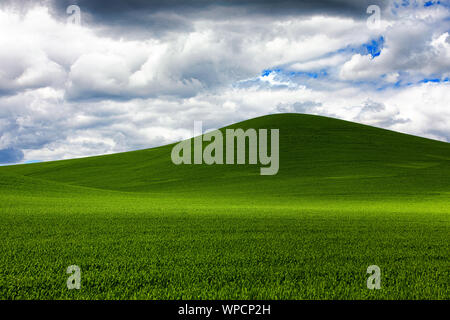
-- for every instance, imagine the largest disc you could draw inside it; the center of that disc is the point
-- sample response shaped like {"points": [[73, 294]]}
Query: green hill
{"points": [[318, 156], [346, 196]]}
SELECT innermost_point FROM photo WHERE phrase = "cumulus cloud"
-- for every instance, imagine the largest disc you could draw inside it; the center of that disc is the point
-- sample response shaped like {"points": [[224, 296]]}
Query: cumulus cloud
{"points": [[414, 45], [298, 107], [376, 114]]}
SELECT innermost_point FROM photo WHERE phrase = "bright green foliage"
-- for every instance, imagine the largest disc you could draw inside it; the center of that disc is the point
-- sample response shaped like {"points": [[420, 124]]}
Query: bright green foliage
{"points": [[346, 196]]}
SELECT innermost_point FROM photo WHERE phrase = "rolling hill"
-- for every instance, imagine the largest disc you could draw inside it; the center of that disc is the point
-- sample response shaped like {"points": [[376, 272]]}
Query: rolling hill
{"points": [[318, 156], [346, 196]]}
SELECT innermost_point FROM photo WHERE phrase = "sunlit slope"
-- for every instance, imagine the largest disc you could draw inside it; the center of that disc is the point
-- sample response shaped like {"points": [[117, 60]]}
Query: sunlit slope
{"points": [[319, 156]]}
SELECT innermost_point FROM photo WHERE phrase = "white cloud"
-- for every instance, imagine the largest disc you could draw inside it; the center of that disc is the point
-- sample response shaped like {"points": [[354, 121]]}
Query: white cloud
{"points": [[416, 46]]}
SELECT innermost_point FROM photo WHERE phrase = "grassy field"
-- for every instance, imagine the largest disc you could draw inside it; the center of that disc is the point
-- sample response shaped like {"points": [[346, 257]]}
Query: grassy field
{"points": [[346, 196]]}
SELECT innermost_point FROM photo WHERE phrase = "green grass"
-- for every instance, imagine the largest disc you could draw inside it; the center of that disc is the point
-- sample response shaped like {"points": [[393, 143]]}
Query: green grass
{"points": [[346, 196]]}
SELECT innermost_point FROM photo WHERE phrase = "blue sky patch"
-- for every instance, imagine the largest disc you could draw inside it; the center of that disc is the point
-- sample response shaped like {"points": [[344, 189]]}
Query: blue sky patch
{"points": [[32, 161], [436, 80], [373, 48], [431, 3], [266, 72]]}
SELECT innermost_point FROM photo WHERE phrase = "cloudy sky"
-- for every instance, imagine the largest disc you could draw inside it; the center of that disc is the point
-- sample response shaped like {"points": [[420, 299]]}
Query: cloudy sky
{"points": [[136, 74]]}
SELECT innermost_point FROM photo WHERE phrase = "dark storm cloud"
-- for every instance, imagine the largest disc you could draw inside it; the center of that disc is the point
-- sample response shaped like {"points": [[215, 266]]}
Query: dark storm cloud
{"points": [[163, 15], [113, 8], [139, 19]]}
